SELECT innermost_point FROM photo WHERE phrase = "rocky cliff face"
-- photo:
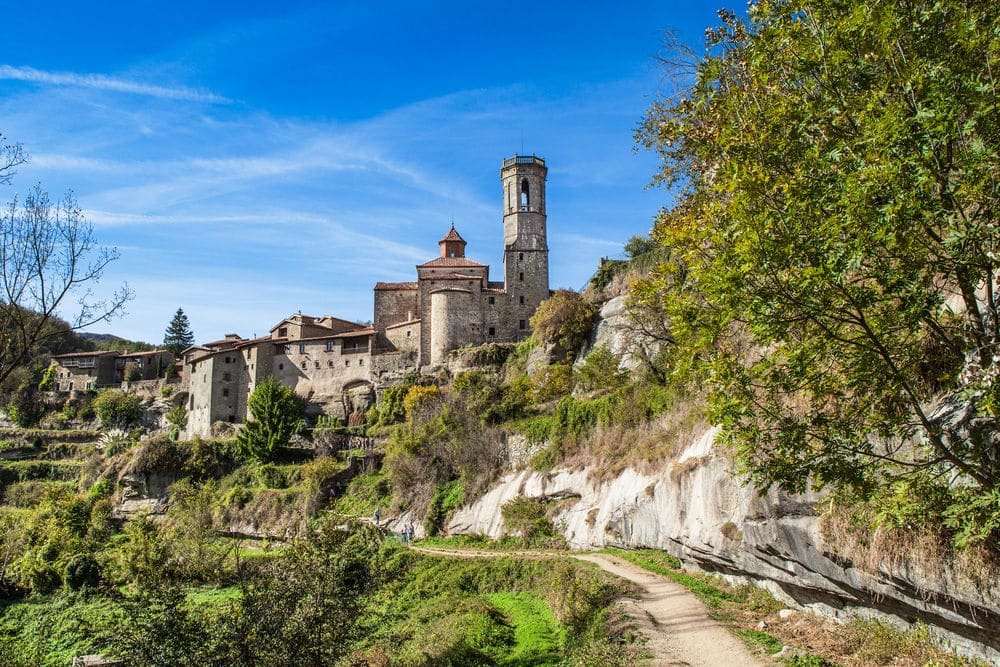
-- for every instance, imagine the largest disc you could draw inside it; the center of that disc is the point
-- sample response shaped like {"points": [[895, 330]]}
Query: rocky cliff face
{"points": [[695, 509]]}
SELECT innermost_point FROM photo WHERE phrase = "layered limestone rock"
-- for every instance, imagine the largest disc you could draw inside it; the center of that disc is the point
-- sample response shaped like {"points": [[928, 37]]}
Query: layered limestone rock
{"points": [[697, 510]]}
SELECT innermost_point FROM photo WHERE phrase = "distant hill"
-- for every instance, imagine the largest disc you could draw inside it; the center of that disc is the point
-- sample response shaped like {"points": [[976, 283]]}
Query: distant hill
{"points": [[104, 341]]}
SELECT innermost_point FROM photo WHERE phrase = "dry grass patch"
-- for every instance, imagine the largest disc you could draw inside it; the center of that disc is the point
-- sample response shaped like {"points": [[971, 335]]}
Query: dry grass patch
{"points": [[916, 550]]}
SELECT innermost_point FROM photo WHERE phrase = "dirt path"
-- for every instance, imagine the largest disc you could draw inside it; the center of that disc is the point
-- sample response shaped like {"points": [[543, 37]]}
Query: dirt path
{"points": [[678, 626]]}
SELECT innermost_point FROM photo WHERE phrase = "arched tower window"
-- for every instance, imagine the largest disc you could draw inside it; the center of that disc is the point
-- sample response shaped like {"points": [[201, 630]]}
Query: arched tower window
{"points": [[525, 194]]}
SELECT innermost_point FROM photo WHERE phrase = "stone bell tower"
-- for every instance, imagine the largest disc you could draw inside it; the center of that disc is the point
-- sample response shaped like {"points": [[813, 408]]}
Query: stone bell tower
{"points": [[526, 252]]}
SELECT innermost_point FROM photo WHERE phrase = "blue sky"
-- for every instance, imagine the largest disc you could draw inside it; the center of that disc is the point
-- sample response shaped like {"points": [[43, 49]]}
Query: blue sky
{"points": [[250, 160]]}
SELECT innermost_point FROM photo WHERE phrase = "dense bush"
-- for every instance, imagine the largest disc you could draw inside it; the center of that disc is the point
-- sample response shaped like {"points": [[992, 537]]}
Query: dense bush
{"points": [[82, 572], [528, 518], [26, 406], [132, 372], [599, 370], [389, 408], [564, 320], [115, 408], [489, 398], [439, 446]]}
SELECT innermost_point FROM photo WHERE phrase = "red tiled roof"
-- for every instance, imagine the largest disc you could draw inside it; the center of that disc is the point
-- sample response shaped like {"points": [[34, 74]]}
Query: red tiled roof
{"points": [[452, 236], [450, 261], [142, 354], [394, 286]]}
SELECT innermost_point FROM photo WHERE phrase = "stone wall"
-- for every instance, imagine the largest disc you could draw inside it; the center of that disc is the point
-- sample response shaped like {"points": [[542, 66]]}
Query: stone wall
{"points": [[393, 306]]}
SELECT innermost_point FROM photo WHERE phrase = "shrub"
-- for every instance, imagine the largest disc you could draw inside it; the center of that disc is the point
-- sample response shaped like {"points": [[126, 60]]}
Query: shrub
{"points": [[81, 572], [420, 398], [389, 408], [276, 412], [565, 320], [115, 408], [527, 517], [447, 498], [607, 271], [132, 372], [25, 407], [177, 418], [166, 390], [487, 396], [48, 381], [600, 370], [554, 381]]}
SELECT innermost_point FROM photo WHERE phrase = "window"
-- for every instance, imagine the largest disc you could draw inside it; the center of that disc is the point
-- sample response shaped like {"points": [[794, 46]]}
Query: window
{"points": [[408, 332], [303, 365], [232, 419], [521, 300], [492, 300], [330, 363], [492, 331], [281, 367], [228, 360], [302, 348], [525, 194], [520, 256], [361, 362], [520, 276], [317, 364], [329, 346], [226, 377], [283, 331], [225, 393], [521, 325], [347, 362]]}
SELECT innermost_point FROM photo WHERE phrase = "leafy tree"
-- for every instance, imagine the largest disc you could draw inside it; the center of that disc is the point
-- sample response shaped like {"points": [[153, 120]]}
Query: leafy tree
{"points": [[276, 412], [564, 319], [117, 409], [838, 171], [178, 336], [50, 259], [26, 406]]}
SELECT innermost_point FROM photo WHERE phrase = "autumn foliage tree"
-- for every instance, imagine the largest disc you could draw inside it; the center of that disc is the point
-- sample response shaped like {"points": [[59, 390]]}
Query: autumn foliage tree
{"points": [[833, 253]]}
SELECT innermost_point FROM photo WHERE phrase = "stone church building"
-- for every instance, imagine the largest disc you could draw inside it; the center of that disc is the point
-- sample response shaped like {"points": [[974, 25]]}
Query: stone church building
{"points": [[336, 364]]}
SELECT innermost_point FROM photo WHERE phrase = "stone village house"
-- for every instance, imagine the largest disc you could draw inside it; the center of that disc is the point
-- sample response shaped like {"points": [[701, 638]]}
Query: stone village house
{"points": [[81, 371], [336, 364]]}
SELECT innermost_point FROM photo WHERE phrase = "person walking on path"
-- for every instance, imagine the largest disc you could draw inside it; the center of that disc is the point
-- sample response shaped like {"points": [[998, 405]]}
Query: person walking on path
{"points": [[377, 516]]}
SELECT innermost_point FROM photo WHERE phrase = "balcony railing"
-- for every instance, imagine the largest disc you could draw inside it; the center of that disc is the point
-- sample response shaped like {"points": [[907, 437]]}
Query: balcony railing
{"points": [[523, 159]]}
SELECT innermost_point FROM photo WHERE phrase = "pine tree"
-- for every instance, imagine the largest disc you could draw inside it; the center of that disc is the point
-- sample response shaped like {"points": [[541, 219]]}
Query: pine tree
{"points": [[178, 336]]}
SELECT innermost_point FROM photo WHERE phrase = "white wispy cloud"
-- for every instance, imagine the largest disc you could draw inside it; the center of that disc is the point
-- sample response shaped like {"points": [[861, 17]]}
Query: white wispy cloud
{"points": [[104, 82]]}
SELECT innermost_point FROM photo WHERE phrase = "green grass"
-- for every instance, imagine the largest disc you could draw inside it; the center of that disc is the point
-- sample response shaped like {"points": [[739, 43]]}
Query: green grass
{"points": [[538, 637], [212, 596], [49, 631], [363, 495], [758, 640]]}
